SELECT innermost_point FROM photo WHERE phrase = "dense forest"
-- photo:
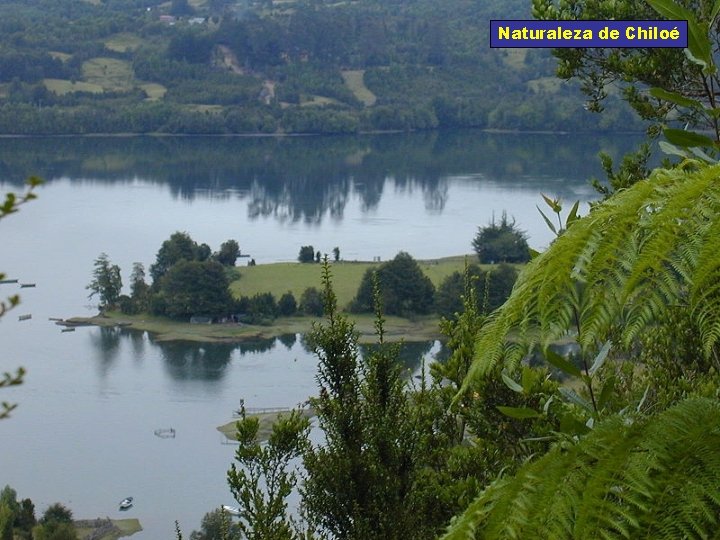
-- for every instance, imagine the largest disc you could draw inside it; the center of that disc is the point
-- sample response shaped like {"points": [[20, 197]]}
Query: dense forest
{"points": [[300, 66]]}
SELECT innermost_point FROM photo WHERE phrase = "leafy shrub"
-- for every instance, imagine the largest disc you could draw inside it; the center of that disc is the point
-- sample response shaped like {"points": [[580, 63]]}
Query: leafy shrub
{"points": [[405, 289], [287, 305], [311, 302], [501, 242]]}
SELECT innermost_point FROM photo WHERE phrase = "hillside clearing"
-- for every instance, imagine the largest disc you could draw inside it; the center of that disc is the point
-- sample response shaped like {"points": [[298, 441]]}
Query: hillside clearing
{"points": [[315, 100], [154, 91], [123, 42], [63, 57], [545, 85], [64, 86], [354, 80], [109, 73]]}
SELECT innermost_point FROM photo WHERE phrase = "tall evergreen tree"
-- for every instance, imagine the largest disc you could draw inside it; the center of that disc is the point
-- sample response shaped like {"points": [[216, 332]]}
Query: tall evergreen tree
{"points": [[106, 282]]}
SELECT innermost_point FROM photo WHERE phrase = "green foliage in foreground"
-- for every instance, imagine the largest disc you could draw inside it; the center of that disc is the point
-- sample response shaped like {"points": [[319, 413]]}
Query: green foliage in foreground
{"points": [[492, 288], [641, 269], [395, 461], [632, 477], [619, 271], [17, 520], [263, 480], [663, 85]]}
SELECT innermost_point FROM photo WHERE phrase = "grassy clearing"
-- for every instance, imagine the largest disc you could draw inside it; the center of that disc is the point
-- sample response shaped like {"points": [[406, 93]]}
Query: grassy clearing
{"points": [[63, 57], [354, 80], [315, 100], [280, 278], [515, 58], [549, 85], [123, 42], [109, 73], [114, 529], [154, 91], [64, 86], [199, 107]]}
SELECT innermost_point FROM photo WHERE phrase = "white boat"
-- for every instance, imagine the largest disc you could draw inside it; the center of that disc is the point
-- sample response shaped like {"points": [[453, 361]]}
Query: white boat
{"points": [[126, 503], [232, 510]]}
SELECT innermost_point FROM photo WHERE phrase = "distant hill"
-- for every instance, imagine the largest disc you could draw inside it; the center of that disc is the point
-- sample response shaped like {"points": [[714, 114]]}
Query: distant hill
{"points": [[246, 66]]}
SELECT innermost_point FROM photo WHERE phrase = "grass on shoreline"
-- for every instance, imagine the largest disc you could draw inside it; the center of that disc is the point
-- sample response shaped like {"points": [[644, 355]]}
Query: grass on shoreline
{"points": [[420, 329], [266, 419], [114, 528]]}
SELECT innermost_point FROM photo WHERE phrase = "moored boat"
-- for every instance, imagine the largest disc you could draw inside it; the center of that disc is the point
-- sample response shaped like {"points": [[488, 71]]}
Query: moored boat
{"points": [[232, 510]]}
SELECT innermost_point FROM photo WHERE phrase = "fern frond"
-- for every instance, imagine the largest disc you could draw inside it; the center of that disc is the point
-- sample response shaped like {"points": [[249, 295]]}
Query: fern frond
{"points": [[656, 477], [618, 270]]}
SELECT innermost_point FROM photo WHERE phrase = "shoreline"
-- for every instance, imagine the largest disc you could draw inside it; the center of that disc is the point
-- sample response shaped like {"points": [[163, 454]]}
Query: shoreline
{"points": [[294, 277], [397, 329], [260, 135]]}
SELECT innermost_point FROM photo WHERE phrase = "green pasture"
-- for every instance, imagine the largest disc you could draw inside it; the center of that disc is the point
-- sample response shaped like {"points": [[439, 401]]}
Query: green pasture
{"points": [[123, 42], [280, 278], [545, 85], [354, 80], [315, 100], [109, 73], [154, 91], [63, 57], [64, 86]]}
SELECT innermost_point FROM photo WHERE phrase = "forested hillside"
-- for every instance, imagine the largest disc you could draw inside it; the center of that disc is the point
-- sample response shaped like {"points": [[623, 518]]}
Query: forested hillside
{"points": [[244, 66]]}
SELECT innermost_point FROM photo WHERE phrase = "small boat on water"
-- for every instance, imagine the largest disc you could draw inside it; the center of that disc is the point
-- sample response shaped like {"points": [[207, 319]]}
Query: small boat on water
{"points": [[167, 433], [126, 503], [232, 510]]}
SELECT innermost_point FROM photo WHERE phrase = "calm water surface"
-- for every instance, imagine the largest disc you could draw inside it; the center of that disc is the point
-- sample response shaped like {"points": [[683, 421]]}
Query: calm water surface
{"points": [[83, 434]]}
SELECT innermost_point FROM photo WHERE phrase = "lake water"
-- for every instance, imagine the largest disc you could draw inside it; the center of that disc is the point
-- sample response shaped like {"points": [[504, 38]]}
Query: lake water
{"points": [[83, 434]]}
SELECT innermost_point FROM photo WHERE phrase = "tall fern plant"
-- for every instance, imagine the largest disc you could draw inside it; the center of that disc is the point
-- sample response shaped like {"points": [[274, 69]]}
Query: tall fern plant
{"points": [[647, 477], [618, 271], [626, 269]]}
